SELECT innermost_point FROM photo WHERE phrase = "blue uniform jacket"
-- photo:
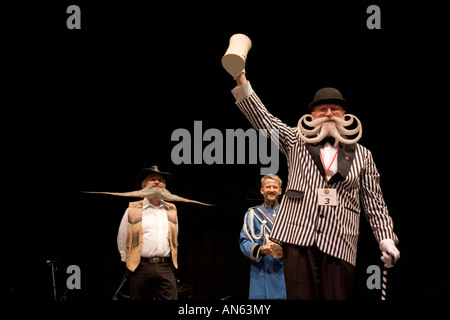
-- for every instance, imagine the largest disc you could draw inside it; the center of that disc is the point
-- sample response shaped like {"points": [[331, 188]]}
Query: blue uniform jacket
{"points": [[266, 272]]}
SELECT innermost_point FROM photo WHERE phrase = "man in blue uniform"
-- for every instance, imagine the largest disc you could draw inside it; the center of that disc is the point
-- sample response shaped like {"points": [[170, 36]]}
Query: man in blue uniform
{"points": [[266, 270]]}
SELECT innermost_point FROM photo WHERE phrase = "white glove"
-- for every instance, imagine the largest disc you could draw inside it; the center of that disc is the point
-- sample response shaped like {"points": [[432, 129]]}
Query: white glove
{"points": [[390, 253]]}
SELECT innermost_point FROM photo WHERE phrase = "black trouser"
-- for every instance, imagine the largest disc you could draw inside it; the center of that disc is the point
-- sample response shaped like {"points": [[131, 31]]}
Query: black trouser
{"points": [[313, 275], [153, 281]]}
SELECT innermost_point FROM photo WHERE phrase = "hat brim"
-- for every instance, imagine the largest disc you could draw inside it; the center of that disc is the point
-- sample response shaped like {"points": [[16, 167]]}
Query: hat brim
{"points": [[147, 171], [341, 102]]}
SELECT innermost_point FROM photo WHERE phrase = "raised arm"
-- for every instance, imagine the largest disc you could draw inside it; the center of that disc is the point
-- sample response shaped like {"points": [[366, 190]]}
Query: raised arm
{"points": [[260, 118], [241, 79]]}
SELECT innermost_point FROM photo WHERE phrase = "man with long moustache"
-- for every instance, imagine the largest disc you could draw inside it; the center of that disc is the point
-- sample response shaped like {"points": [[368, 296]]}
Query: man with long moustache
{"points": [[318, 219], [147, 240]]}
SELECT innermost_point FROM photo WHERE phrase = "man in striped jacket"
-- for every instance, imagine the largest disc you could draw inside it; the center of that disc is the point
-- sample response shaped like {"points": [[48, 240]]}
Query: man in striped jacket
{"points": [[318, 219]]}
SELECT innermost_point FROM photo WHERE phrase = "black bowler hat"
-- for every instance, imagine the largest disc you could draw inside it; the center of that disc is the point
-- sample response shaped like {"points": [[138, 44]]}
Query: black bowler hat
{"points": [[152, 170], [328, 95]]}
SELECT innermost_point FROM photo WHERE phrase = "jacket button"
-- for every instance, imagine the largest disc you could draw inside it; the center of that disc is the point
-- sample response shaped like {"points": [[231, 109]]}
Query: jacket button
{"points": [[322, 216], [319, 232]]}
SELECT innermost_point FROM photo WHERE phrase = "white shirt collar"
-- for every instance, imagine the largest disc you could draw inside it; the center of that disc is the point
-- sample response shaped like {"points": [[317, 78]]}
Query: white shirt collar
{"points": [[147, 204]]}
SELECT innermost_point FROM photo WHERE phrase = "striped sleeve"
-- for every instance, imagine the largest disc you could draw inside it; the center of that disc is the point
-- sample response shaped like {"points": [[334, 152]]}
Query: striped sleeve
{"points": [[260, 118], [373, 203]]}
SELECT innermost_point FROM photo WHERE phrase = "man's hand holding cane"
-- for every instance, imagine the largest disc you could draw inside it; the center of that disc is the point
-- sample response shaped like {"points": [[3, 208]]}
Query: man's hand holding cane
{"points": [[390, 253]]}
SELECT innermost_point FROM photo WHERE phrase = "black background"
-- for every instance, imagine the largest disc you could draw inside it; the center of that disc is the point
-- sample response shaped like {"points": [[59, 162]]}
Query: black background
{"points": [[88, 109]]}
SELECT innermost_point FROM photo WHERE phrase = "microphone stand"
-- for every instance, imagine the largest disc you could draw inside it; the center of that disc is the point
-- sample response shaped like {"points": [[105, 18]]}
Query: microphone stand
{"points": [[52, 264]]}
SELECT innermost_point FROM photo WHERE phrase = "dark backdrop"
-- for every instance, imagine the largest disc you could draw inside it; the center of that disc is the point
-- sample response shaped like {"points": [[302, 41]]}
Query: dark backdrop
{"points": [[89, 108]]}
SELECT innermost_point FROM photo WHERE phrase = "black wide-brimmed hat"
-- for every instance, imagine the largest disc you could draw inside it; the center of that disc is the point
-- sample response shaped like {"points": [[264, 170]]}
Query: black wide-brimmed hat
{"points": [[328, 95], [152, 170]]}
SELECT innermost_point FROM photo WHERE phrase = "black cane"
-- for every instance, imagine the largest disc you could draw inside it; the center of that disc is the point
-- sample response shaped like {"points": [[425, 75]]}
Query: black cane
{"points": [[124, 278]]}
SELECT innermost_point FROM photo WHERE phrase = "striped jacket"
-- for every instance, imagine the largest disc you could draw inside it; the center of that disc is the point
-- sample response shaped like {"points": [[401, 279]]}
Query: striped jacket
{"points": [[300, 220]]}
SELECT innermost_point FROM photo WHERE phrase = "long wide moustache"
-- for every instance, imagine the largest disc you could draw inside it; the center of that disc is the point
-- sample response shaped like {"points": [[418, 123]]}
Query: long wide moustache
{"points": [[151, 192], [329, 126]]}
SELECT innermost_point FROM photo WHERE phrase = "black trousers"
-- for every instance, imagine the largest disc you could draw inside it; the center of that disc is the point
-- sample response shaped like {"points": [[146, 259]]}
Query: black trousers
{"points": [[153, 281], [313, 275]]}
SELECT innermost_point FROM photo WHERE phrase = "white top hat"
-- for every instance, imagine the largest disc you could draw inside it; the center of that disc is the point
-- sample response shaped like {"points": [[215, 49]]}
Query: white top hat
{"points": [[234, 59]]}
